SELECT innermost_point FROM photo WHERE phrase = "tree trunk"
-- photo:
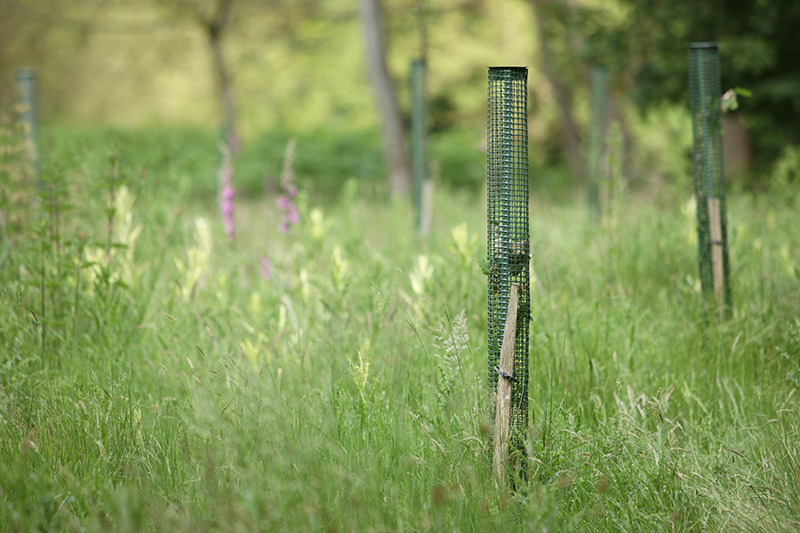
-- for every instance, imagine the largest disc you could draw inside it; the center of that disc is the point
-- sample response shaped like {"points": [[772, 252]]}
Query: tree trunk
{"points": [[736, 151], [570, 138], [5, 88], [400, 179], [630, 169], [215, 28]]}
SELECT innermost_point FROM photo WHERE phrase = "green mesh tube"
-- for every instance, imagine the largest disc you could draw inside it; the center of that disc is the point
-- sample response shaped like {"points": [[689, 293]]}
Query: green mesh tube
{"points": [[418, 134], [709, 176], [508, 233], [598, 87]]}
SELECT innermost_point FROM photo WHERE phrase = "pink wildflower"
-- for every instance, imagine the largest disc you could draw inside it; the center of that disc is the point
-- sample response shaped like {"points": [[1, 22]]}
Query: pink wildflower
{"points": [[226, 185], [291, 215]]}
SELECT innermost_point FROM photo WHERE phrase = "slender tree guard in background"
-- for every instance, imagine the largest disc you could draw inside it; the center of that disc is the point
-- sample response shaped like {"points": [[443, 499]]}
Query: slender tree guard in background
{"points": [[29, 113], [418, 135], [709, 177], [598, 87], [508, 247]]}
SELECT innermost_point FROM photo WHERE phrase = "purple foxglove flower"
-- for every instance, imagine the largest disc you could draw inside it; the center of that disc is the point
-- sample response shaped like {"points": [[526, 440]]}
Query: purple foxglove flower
{"points": [[226, 175], [293, 215]]}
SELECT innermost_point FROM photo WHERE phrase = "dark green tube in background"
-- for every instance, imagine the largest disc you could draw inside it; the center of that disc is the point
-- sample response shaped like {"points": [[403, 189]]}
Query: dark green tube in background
{"points": [[709, 176]]}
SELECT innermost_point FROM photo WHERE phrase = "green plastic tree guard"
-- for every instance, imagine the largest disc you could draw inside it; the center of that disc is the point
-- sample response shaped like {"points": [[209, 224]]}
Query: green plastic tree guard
{"points": [[418, 134], [598, 87], [508, 241], [709, 176]]}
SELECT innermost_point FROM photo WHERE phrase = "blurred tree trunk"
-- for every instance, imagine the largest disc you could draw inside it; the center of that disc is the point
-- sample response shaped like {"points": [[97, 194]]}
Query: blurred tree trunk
{"points": [[736, 150], [400, 179], [214, 25], [570, 138], [5, 91], [215, 29]]}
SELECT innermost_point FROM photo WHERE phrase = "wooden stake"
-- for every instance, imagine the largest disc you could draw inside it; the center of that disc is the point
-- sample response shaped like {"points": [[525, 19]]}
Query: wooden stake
{"points": [[715, 230], [505, 376]]}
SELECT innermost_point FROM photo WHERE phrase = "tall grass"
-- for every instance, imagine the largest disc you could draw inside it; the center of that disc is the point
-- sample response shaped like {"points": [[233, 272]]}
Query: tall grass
{"points": [[161, 384]]}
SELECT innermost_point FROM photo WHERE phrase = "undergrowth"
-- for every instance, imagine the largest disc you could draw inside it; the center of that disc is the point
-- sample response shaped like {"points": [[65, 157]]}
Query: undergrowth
{"points": [[152, 379]]}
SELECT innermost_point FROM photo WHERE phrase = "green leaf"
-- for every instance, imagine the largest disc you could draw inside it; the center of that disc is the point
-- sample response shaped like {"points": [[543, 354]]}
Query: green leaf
{"points": [[486, 266]]}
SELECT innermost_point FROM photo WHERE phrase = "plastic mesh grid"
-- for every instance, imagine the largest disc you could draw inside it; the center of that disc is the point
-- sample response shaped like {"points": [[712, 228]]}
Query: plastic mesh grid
{"points": [[598, 86], [508, 237], [709, 177], [418, 134]]}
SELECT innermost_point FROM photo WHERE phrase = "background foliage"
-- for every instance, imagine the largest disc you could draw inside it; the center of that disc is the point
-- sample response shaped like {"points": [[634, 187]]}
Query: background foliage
{"points": [[298, 66]]}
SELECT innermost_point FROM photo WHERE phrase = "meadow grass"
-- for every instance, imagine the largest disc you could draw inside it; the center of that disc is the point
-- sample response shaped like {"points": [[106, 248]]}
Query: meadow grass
{"points": [[151, 379]]}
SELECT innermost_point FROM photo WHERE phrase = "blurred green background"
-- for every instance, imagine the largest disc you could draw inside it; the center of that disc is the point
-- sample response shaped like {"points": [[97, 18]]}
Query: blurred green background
{"points": [[296, 68]]}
